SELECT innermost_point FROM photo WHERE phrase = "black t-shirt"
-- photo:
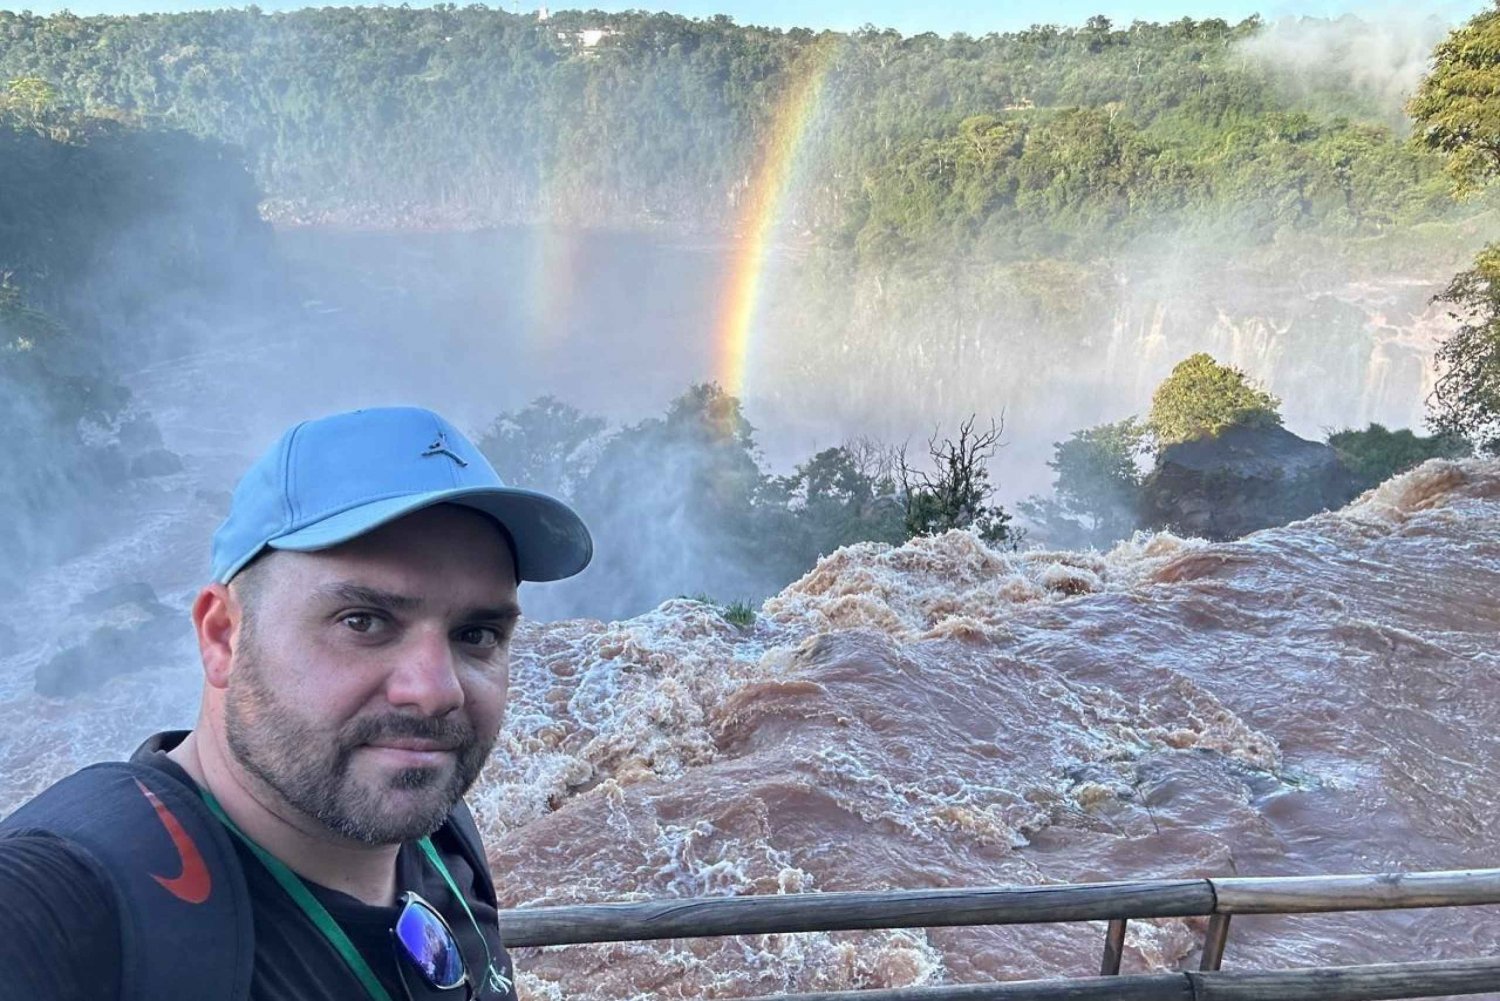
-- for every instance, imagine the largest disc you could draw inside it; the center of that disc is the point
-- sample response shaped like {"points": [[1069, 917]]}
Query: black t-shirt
{"points": [[60, 930]]}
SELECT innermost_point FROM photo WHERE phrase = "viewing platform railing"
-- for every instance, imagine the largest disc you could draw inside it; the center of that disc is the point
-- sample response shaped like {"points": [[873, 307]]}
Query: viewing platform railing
{"points": [[1117, 903]]}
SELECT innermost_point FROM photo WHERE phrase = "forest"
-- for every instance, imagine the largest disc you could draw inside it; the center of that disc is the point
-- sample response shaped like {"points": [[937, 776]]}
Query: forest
{"points": [[1051, 141]]}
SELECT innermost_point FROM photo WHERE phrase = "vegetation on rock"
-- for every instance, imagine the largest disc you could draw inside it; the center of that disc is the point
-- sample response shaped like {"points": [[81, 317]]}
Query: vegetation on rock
{"points": [[1202, 397], [1377, 453], [1466, 399]]}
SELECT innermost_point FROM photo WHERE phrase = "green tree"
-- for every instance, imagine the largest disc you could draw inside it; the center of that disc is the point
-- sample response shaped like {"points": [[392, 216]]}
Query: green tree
{"points": [[1456, 111], [678, 504], [1456, 108], [548, 445], [837, 498], [1202, 397], [1376, 454], [28, 103], [1097, 487], [1466, 399]]}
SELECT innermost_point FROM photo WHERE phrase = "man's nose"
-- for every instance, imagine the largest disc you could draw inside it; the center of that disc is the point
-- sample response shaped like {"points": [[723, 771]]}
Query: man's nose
{"points": [[425, 677]]}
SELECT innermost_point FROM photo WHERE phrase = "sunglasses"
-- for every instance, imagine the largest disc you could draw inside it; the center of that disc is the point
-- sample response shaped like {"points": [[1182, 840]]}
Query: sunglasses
{"points": [[425, 942]]}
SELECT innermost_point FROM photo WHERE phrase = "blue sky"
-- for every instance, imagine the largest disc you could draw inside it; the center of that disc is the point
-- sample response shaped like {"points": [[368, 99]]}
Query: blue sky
{"points": [[908, 16]]}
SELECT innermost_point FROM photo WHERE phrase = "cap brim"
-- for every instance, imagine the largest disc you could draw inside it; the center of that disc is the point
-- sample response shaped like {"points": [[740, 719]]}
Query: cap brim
{"points": [[551, 541]]}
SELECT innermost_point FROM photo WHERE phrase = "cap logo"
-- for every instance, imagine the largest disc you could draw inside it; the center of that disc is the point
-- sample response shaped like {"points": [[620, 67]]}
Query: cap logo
{"points": [[439, 446]]}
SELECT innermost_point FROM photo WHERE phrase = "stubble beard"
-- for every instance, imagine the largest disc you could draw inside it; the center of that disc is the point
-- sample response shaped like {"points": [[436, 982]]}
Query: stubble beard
{"points": [[311, 770]]}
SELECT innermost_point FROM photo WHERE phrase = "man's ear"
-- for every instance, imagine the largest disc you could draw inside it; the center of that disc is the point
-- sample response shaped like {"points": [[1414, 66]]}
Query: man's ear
{"points": [[216, 619]]}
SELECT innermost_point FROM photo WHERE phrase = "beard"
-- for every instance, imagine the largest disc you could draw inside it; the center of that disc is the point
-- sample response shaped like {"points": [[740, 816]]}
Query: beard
{"points": [[311, 767]]}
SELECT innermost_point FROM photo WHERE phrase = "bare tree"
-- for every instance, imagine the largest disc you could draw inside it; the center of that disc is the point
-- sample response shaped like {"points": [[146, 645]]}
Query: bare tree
{"points": [[956, 493], [875, 459]]}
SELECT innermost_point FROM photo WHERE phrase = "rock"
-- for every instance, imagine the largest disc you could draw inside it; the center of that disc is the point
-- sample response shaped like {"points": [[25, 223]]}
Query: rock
{"points": [[157, 462], [130, 593], [128, 628], [109, 465], [217, 500], [1243, 480], [140, 434]]}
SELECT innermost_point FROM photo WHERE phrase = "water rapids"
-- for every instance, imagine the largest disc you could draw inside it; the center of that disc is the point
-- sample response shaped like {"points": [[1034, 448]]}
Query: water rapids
{"points": [[1315, 698]]}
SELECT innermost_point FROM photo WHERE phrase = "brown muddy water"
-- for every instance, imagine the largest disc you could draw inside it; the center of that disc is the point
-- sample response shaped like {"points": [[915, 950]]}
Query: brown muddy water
{"points": [[1316, 698]]}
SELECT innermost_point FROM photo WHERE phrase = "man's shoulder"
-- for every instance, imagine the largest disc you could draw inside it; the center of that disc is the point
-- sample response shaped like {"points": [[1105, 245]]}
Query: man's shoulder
{"points": [[60, 927], [40, 858], [135, 842], [36, 834], [40, 870]]}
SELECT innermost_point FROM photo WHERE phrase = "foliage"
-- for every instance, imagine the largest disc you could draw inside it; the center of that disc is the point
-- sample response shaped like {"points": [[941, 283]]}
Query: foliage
{"points": [[739, 613], [52, 391], [677, 504], [1202, 397], [680, 504], [1376, 454], [28, 103], [1097, 486], [736, 613], [1455, 112], [544, 446], [839, 497], [1466, 399], [956, 493], [1054, 141]]}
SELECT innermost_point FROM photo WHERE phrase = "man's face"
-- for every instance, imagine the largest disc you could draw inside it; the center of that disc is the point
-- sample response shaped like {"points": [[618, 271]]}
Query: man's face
{"points": [[369, 681]]}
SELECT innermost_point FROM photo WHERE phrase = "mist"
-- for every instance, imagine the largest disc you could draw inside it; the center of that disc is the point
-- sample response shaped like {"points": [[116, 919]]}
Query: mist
{"points": [[225, 330], [1378, 57]]}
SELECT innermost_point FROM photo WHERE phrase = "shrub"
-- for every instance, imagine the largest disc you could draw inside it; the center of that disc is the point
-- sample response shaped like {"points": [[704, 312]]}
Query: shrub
{"points": [[1202, 397]]}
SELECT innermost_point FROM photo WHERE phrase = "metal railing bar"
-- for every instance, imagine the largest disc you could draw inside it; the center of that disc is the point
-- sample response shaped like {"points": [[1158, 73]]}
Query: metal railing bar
{"points": [[1378, 982], [1214, 941], [853, 911], [1114, 948]]}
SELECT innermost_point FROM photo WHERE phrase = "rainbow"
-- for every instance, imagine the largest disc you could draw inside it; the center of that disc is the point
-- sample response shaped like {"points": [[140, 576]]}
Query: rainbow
{"points": [[761, 211]]}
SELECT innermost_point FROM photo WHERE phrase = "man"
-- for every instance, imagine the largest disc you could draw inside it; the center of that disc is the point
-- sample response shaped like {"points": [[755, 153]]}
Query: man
{"points": [[307, 840]]}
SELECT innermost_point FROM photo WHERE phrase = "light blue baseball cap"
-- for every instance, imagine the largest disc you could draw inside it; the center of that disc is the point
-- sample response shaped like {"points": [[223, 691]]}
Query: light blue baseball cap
{"points": [[330, 480]]}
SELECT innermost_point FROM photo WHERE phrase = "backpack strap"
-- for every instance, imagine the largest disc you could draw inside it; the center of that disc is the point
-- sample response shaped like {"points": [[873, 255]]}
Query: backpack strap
{"points": [[185, 917], [461, 833]]}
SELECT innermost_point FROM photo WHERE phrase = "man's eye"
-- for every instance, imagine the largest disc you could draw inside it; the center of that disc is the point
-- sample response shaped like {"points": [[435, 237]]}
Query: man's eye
{"points": [[361, 622], [480, 636]]}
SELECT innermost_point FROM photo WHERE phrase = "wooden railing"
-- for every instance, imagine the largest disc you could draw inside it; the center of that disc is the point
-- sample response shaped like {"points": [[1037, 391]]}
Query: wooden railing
{"points": [[1117, 903]]}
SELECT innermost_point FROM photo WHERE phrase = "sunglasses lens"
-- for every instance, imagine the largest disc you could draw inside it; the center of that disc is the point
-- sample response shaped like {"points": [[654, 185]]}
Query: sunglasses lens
{"points": [[430, 946]]}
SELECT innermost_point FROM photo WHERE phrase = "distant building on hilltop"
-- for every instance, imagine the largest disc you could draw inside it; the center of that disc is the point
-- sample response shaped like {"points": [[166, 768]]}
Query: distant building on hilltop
{"points": [[583, 38]]}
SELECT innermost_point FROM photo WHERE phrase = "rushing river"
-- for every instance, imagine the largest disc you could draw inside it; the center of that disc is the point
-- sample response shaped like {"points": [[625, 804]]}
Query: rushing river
{"points": [[1315, 698]]}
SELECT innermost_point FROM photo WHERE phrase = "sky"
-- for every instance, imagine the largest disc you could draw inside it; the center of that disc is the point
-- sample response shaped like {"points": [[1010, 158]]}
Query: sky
{"points": [[976, 17]]}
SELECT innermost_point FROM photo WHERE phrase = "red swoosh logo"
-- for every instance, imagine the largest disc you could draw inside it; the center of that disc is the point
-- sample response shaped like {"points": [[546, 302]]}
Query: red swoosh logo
{"points": [[195, 883]]}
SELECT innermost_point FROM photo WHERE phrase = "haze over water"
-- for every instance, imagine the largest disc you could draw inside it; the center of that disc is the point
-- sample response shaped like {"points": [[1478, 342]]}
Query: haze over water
{"points": [[619, 323]]}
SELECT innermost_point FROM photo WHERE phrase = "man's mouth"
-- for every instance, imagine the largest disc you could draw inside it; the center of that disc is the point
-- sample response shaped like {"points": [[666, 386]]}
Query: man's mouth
{"points": [[410, 752], [412, 744]]}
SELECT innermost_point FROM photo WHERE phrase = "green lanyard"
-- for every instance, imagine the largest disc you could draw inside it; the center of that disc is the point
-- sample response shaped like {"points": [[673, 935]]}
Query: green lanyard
{"points": [[319, 915]]}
